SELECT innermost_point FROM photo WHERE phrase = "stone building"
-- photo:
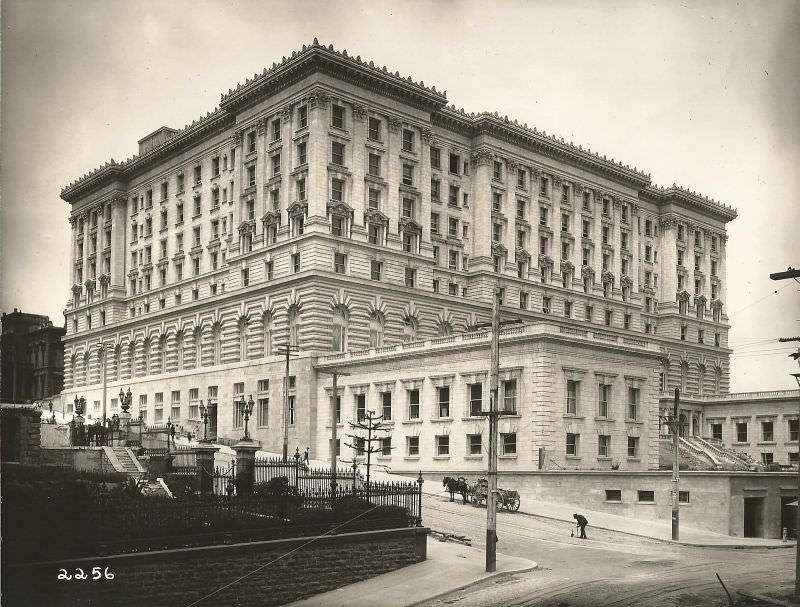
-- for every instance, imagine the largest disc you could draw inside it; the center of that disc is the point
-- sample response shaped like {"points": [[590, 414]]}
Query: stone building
{"points": [[340, 207], [32, 357]]}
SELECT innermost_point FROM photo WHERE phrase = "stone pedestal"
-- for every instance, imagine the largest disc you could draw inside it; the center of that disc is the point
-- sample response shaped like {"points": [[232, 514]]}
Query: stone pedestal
{"points": [[205, 466], [245, 464]]}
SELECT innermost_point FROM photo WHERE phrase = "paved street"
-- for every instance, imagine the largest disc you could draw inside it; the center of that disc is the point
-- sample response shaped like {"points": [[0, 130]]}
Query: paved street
{"points": [[609, 568]]}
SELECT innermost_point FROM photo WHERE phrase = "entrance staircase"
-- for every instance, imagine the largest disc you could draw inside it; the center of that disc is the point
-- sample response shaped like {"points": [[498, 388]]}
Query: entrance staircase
{"points": [[725, 459], [127, 460]]}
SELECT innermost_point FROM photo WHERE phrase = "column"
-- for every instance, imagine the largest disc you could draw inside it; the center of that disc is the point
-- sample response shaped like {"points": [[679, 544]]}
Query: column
{"points": [[636, 254], [597, 237], [482, 210], [317, 184], [72, 247], [669, 262], [424, 185], [119, 242], [205, 466]]}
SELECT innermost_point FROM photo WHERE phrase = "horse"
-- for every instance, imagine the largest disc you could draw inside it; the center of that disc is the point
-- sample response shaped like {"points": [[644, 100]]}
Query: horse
{"points": [[456, 485]]}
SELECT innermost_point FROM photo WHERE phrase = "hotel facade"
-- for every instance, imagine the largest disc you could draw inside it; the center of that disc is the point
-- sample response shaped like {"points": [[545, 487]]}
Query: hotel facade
{"points": [[331, 204]]}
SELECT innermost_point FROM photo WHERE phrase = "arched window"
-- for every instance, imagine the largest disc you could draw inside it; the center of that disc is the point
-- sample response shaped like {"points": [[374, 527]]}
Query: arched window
{"points": [[179, 338], [410, 327], [162, 354], [294, 326], [267, 322], [340, 329], [146, 355], [216, 343], [445, 328], [243, 339], [376, 324], [198, 347]]}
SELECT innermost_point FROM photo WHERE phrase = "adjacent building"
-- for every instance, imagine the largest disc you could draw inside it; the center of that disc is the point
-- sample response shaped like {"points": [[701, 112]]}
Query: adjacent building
{"points": [[32, 357], [334, 205]]}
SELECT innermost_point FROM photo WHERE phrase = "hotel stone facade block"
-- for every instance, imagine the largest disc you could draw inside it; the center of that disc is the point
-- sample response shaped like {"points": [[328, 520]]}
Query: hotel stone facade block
{"points": [[340, 207]]}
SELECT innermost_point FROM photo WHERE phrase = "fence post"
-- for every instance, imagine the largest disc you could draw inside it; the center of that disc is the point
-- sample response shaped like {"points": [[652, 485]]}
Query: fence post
{"points": [[205, 467], [420, 480]]}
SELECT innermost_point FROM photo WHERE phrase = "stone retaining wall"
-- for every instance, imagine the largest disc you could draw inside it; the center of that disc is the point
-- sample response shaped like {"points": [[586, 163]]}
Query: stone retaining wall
{"points": [[271, 572]]}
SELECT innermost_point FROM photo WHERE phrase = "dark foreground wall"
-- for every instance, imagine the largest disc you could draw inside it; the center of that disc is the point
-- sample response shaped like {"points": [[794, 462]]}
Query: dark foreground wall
{"points": [[277, 572]]}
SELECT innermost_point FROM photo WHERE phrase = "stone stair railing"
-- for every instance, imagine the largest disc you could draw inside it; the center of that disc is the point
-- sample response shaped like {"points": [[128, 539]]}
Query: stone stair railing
{"points": [[722, 454]]}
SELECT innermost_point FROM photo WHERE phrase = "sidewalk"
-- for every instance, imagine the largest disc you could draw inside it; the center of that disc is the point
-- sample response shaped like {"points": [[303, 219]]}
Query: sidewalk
{"points": [[656, 529], [449, 567]]}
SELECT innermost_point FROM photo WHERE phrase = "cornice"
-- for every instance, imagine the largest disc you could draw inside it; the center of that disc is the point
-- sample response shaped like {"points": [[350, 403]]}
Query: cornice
{"points": [[688, 198], [317, 57]]}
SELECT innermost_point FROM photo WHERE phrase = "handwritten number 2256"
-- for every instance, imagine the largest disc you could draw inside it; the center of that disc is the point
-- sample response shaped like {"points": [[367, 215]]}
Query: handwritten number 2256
{"points": [[80, 574]]}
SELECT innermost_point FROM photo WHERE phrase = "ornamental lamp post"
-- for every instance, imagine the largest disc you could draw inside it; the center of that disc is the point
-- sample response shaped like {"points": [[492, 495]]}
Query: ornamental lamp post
{"points": [[247, 409], [204, 416]]}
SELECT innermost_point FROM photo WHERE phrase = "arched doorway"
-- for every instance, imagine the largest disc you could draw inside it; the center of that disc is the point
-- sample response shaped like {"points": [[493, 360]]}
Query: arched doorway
{"points": [[682, 425]]}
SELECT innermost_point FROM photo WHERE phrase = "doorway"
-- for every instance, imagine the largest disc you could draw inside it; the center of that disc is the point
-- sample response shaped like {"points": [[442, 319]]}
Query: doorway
{"points": [[788, 515], [754, 517]]}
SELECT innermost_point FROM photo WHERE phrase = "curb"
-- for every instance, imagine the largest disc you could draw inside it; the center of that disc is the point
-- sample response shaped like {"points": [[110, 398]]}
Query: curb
{"points": [[473, 583], [650, 537]]}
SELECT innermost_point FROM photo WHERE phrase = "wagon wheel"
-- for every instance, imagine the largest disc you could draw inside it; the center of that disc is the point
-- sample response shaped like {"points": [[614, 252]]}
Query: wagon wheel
{"points": [[512, 503]]}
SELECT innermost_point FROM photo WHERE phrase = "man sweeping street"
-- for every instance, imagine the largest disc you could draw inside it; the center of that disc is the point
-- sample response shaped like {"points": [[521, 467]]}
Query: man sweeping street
{"points": [[581, 522]]}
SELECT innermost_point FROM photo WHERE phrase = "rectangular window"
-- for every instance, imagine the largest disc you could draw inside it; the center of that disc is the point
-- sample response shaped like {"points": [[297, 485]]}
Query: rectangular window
{"points": [[442, 445], [633, 403], [386, 446], [291, 409], [716, 431], [572, 396], [276, 129], [647, 497], [767, 433], [375, 270], [296, 262], [474, 444], [633, 446], [337, 116], [302, 153], [794, 429], [408, 175], [337, 190], [613, 495], [410, 277], [741, 432], [374, 132], [413, 404], [436, 158], [374, 199], [276, 165], [374, 166], [573, 444], [412, 446], [361, 406], [443, 399], [339, 263], [263, 411], [337, 153], [455, 163], [452, 198], [683, 497], [603, 445], [408, 140], [386, 404], [475, 399], [508, 443], [510, 395], [604, 398]]}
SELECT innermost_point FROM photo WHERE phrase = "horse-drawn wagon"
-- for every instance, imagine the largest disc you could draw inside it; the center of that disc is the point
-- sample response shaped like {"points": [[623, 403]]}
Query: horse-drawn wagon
{"points": [[506, 498]]}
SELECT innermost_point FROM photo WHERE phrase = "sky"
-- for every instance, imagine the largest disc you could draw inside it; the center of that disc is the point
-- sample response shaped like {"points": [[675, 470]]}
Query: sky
{"points": [[703, 94]]}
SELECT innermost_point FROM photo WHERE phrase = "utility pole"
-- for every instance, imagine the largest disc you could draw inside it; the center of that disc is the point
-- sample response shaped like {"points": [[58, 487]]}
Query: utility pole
{"points": [[791, 273], [287, 350], [372, 424], [676, 475], [334, 421], [493, 414]]}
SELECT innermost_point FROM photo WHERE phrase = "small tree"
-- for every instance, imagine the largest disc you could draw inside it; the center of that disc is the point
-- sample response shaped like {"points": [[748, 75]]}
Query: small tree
{"points": [[373, 424]]}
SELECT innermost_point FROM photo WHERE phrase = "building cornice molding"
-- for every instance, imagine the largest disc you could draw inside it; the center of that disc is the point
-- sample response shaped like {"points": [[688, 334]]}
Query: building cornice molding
{"points": [[690, 199]]}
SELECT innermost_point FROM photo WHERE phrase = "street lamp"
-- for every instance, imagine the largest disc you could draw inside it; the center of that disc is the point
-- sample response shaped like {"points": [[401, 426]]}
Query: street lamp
{"points": [[204, 416], [247, 411], [297, 456]]}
